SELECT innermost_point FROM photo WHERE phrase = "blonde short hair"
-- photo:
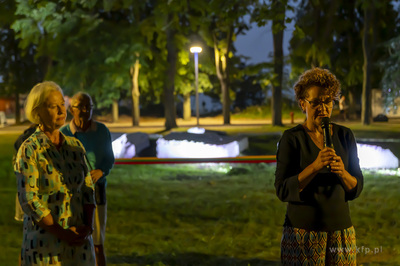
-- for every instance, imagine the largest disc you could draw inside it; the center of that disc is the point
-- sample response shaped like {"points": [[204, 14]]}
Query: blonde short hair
{"points": [[37, 96]]}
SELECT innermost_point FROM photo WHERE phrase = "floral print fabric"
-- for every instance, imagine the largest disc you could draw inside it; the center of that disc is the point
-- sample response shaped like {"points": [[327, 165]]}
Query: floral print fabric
{"points": [[57, 182]]}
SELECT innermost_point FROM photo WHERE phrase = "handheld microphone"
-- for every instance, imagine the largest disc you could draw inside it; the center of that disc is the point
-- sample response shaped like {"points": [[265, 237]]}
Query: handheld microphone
{"points": [[325, 124]]}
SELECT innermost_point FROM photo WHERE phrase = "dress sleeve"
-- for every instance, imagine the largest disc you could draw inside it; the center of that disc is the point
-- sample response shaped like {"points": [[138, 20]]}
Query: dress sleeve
{"points": [[88, 186], [27, 173], [88, 189], [354, 168], [108, 159], [287, 169]]}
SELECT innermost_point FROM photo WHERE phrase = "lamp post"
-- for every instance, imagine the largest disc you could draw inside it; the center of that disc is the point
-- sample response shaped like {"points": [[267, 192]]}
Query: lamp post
{"points": [[196, 50]]}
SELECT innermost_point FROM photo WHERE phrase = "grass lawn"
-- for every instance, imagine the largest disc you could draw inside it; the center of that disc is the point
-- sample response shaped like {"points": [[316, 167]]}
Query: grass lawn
{"points": [[209, 214]]}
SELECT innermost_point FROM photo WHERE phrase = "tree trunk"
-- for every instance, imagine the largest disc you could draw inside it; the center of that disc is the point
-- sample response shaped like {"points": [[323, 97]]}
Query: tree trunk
{"points": [[316, 38], [169, 86], [352, 90], [47, 60], [226, 102], [351, 111], [187, 112], [115, 113], [17, 109], [366, 44], [135, 92], [276, 103], [223, 77]]}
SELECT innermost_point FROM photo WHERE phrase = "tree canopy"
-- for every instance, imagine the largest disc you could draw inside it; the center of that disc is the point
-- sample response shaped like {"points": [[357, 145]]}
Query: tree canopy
{"points": [[115, 49]]}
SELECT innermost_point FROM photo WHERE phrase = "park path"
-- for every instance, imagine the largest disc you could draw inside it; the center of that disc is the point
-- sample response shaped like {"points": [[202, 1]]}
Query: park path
{"points": [[155, 124]]}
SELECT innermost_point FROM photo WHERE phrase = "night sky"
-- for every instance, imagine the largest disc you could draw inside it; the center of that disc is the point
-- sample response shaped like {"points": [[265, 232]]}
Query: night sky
{"points": [[257, 43]]}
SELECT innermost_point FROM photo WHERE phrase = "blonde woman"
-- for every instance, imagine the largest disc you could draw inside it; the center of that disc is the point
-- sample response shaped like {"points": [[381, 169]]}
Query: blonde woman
{"points": [[55, 189]]}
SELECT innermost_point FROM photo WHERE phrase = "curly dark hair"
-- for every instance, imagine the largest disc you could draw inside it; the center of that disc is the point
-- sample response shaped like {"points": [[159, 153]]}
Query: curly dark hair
{"points": [[319, 77]]}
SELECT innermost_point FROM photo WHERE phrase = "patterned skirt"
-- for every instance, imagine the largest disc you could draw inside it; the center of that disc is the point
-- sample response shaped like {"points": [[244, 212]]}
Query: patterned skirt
{"points": [[303, 247]]}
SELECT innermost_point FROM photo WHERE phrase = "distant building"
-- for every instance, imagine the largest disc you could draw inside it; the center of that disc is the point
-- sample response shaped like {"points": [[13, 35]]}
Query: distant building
{"points": [[207, 105], [7, 105], [377, 103]]}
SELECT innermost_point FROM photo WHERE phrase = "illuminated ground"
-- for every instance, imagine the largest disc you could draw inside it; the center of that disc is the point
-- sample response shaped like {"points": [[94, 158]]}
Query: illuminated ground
{"points": [[178, 216]]}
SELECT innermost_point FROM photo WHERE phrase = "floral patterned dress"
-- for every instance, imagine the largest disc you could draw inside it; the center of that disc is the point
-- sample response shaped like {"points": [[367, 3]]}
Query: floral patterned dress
{"points": [[57, 182]]}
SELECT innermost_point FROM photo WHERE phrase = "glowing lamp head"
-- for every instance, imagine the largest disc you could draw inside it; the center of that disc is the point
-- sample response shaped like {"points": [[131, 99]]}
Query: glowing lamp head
{"points": [[195, 49]]}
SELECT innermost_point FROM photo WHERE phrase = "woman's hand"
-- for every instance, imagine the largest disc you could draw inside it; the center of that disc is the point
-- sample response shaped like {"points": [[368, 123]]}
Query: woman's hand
{"points": [[81, 234], [348, 180], [96, 175], [85, 231], [325, 157], [69, 235], [72, 235], [337, 167]]}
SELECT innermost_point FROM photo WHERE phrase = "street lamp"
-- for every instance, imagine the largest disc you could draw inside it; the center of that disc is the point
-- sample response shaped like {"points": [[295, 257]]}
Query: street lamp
{"points": [[196, 50]]}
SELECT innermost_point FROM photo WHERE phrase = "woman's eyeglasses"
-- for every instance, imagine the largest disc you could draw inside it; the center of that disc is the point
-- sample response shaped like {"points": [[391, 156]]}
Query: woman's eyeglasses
{"points": [[315, 103]]}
